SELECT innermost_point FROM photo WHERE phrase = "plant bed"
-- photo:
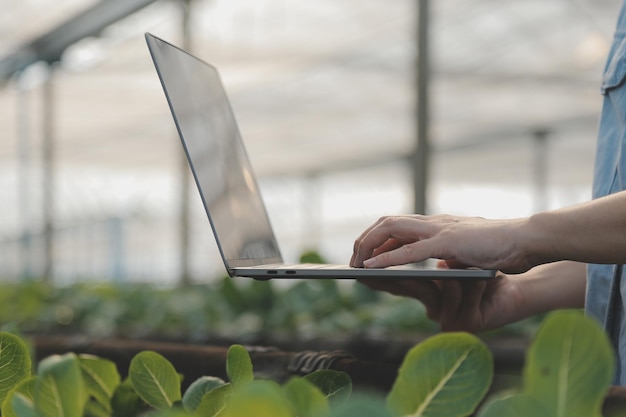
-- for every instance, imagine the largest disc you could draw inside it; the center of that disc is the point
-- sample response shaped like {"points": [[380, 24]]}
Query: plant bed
{"points": [[567, 371], [371, 363]]}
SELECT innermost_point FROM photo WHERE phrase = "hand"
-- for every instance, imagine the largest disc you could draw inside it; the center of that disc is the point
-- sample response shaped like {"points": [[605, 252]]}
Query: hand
{"points": [[472, 306], [461, 241]]}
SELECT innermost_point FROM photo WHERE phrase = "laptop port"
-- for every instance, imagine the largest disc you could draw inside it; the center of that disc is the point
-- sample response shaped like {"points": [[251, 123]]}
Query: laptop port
{"points": [[290, 272], [271, 272]]}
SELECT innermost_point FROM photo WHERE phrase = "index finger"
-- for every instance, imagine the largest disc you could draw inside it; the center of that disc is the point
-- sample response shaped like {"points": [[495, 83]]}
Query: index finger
{"points": [[355, 248], [410, 229]]}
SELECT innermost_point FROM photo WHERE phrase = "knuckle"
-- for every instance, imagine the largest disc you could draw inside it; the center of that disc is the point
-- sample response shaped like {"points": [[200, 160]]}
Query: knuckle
{"points": [[406, 250], [387, 220]]}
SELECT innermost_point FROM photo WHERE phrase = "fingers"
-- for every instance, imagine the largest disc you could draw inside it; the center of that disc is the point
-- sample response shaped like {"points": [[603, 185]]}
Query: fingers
{"points": [[455, 305], [357, 243], [462, 305], [391, 229], [358, 252], [473, 298], [410, 252], [452, 295], [389, 245]]}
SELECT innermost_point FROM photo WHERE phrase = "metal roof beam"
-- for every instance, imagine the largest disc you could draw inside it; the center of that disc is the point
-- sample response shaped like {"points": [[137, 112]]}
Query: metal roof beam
{"points": [[50, 46]]}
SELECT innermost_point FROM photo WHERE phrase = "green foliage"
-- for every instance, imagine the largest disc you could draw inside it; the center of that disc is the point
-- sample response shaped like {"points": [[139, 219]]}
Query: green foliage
{"points": [[155, 380], [568, 372], [85, 385], [312, 257], [239, 366], [515, 405], [101, 378], [446, 375], [15, 362], [361, 405], [336, 386], [259, 399], [225, 308], [59, 388], [125, 401], [570, 365], [305, 398], [23, 406], [22, 394], [195, 392], [214, 402]]}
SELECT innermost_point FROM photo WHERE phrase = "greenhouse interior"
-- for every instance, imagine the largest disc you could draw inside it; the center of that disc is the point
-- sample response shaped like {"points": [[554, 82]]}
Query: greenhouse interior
{"points": [[349, 111]]}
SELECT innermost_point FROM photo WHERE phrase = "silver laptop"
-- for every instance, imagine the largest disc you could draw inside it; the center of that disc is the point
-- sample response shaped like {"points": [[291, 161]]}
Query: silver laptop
{"points": [[228, 187]]}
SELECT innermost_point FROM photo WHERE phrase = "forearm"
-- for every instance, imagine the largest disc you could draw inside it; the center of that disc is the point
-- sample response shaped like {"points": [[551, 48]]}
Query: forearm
{"points": [[592, 232], [552, 286]]}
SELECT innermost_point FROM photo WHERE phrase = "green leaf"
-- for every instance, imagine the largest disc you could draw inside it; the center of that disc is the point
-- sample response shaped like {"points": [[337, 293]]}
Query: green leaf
{"points": [[171, 412], [214, 401], [569, 365], [446, 375], [155, 380], [95, 409], [361, 405], [59, 388], [26, 388], [15, 362], [258, 399], [305, 398], [101, 378], [23, 406], [336, 385], [239, 366], [517, 405], [125, 401], [195, 392]]}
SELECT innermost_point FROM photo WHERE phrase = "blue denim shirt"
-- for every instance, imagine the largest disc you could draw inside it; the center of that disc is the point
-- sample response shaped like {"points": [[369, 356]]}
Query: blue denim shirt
{"points": [[606, 288]]}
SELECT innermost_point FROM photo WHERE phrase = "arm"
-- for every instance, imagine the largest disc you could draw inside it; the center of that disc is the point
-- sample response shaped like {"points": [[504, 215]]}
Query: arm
{"points": [[594, 232], [553, 286]]}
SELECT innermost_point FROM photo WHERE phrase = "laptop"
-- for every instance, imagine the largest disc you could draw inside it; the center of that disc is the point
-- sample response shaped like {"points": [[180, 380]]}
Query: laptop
{"points": [[228, 187]]}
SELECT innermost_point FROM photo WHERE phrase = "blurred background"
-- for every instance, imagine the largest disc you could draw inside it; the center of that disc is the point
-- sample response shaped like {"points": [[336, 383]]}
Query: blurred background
{"points": [[92, 181]]}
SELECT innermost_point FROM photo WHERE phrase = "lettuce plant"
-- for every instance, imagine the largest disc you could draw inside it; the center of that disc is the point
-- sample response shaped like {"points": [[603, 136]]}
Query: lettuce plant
{"points": [[568, 372]]}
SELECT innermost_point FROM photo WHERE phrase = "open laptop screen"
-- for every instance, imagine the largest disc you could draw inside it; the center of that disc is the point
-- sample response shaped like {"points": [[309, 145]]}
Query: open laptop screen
{"points": [[218, 160]]}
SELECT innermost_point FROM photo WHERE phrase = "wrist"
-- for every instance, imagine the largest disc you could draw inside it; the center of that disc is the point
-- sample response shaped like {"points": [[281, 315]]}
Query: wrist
{"points": [[536, 240], [552, 286]]}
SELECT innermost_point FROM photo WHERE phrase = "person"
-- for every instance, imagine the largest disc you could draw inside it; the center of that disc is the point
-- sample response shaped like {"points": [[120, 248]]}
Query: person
{"points": [[566, 258]]}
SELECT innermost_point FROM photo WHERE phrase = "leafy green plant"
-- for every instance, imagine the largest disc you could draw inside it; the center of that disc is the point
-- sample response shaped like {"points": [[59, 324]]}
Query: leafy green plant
{"points": [[568, 372], [155, 380], [84, 385], [13, 353], [446, 375], [226, 308]]}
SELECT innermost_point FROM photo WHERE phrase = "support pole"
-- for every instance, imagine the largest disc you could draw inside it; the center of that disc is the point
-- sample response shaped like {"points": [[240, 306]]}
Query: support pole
{"points": [[24, 177], [48, 176], [540, 169], [312, 208], [421, 156], [117, 252], [185, 180]]}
